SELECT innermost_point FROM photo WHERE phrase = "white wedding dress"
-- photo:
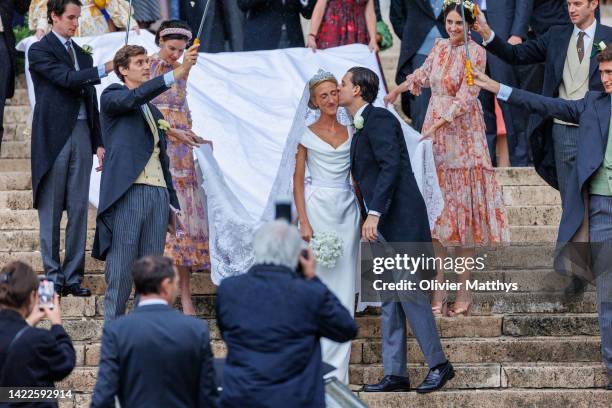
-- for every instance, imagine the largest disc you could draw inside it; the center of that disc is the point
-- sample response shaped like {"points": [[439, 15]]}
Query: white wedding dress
{"points": [[331, 206]]}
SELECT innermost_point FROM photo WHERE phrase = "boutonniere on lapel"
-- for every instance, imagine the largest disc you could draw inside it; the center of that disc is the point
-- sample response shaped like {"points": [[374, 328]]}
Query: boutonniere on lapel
{"points": [[87, 49], [358, 122], [163, 125], [599, 47]]}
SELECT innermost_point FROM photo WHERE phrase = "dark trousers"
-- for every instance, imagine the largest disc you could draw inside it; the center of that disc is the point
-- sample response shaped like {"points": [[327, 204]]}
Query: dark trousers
{"points": [[5, 77], [66, 187], [565, 140], [600, 235], [416, 106]]}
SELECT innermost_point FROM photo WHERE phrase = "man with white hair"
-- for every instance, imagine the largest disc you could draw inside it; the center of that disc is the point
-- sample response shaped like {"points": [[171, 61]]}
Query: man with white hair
{"points": [[272, 319]]}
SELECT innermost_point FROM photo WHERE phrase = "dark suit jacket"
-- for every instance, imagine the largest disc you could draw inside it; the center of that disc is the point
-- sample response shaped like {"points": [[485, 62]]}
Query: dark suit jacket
{"points": [[592, 113], [59, 89], [272, 320], [412, 20], [265, 18], [550, 48], [380, 166], [129, 145], [7, 9], [156, 357], [548, 13], [509, 17], [37, 359]]}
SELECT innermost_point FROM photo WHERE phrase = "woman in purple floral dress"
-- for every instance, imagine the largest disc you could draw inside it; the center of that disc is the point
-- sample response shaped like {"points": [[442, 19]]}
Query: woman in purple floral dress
{"points": [[189, 247]]}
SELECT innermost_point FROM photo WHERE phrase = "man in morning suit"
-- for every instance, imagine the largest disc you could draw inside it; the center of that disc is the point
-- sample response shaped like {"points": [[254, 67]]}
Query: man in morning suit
{"points": [[394, 211], [65, 135], [7, 52], [570, 71], [155, 356], [136, 189], [272, 320], [589, 184]]}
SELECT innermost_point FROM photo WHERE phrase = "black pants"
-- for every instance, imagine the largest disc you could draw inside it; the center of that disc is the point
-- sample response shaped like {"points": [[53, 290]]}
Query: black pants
{"points": [[416, 106]]}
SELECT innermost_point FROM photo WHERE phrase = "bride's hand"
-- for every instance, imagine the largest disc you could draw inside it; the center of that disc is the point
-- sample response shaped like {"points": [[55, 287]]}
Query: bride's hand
{"points": [[306, 232]]}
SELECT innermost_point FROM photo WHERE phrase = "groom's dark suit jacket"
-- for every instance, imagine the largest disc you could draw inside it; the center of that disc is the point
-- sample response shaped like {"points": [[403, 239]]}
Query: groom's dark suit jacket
{"points": [[381, 167], [129, 145]]}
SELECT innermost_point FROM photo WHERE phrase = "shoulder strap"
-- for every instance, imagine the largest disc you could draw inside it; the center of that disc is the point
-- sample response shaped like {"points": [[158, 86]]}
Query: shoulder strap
{"points": [[17, 336]]}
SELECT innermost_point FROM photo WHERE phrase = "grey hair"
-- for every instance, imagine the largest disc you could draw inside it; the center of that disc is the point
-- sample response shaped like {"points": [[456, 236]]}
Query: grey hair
{"points": [[277, 243]]}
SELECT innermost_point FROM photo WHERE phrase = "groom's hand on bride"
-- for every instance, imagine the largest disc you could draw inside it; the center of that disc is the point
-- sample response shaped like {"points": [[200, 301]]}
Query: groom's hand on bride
{"points": [[369, 230]]}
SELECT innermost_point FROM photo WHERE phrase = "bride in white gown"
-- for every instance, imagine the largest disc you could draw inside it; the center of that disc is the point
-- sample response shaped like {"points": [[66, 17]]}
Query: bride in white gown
{"points": [[325, 202]]}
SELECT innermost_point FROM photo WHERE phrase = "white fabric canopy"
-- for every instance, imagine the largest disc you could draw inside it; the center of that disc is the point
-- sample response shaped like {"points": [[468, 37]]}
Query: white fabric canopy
{"points": [[245, 103]]}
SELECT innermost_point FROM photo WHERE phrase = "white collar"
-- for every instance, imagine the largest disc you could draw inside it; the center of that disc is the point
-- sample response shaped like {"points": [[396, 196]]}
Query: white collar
{"points": [[149, 302], [590, 31], [360, 110], [62, 39]]}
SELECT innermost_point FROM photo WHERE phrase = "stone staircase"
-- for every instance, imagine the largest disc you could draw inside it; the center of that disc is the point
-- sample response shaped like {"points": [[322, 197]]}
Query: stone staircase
{"points": [[528, 348]]}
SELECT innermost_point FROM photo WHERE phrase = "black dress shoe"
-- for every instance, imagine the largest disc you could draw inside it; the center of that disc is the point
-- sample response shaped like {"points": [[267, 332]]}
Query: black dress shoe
{"points": [[576, 287], [436, 378], [389, 383], [76, 290]]}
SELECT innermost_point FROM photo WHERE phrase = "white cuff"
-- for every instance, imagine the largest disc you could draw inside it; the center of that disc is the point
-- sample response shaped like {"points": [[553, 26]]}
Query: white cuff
{"points": [[376, 213], [488, 40], [102, 71], [504, 92], [169, 78]]}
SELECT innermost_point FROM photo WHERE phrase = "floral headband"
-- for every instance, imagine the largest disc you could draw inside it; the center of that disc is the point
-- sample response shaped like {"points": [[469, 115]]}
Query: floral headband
{"points": [[468, 4], [175, 30]]}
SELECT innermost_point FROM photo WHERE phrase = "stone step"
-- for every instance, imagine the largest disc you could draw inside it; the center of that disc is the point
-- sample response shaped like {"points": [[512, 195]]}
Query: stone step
{"points": [[15, 132], [499, 375], [28, 219], [530, 195], [20, 98], [24, 241], [547, 398], [17, 180], [518, 176], [16, 200], [541, 215], [14, 165], [538, 233], [496, 349], [519, 255], [33, 258], [16, 114], [16, 150]]}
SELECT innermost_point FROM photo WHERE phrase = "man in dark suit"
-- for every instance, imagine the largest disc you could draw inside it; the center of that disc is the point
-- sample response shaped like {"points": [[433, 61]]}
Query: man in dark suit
{"points": [[570, 71], [417, 23], [274, 24], [137, 197], [65, 135], [222, 31], [155, 356], [510, 20], [8, 9], [272, 320], [588, 205], [547, 13], [380, 166]]}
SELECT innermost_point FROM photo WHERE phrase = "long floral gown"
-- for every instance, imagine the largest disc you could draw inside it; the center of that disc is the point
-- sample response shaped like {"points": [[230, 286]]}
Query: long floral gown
{"points": [[473, 213], [343, 23], [189, 249]]}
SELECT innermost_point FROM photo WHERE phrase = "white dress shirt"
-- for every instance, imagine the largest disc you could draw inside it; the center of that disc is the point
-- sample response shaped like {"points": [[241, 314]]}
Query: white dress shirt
{"points": [[149, 302]]}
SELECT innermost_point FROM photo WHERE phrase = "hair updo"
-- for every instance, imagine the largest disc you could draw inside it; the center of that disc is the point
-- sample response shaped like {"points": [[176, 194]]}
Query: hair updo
{"points": [[17, 282], [469, 17], [173, 24]]}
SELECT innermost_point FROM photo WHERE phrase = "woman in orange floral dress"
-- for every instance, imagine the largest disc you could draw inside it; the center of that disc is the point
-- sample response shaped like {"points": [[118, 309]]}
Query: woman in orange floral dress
{"points": [[188, 248], [473, 214]]}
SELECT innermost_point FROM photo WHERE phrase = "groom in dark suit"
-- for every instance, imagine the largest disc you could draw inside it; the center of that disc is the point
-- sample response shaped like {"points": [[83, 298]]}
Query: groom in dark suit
{"points": [[588, 206], [396, 212], [136, 189]]}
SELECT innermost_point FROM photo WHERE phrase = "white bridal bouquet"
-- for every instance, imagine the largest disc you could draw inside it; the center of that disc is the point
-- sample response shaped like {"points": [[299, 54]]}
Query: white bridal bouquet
{"points": [[327, 248]]}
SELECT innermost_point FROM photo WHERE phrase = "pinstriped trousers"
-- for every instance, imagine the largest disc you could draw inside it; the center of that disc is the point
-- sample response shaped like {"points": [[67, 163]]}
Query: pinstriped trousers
{"points": [[139, 227], [565, 139], [600, 235]]}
